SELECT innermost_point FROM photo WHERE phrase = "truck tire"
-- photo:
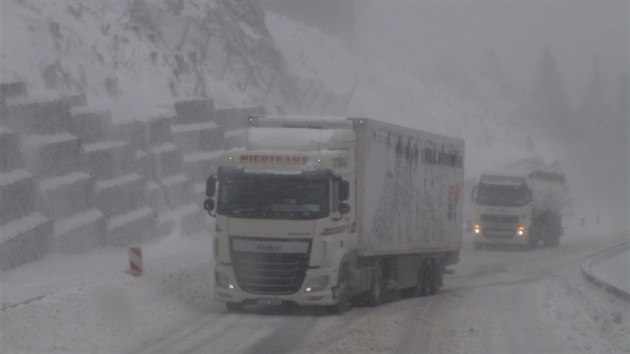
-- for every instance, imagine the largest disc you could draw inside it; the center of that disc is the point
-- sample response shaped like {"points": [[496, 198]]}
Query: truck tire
{"points": [[433, 273], [234, 306], [429, 279], [552, 241], [344, 295], [533, 237], [375, 294], [420, 289]]}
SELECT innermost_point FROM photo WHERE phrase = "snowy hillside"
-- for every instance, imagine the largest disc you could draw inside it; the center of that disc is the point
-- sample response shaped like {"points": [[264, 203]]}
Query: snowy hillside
{"points": [[149, 53], [386, 91]]}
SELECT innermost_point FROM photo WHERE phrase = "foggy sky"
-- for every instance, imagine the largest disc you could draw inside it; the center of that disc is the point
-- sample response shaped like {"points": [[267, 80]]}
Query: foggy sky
{"points": [[457, 40], [421, 32]]}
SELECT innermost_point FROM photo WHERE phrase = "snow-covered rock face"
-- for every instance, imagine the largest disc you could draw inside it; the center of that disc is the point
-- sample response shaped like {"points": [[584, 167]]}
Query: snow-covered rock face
{"points": [[149, 53], [384, 91], [148, 50]]}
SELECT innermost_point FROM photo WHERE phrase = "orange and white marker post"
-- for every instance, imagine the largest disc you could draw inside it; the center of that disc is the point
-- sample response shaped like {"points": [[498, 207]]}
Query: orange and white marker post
{"points": [[135, 261]]}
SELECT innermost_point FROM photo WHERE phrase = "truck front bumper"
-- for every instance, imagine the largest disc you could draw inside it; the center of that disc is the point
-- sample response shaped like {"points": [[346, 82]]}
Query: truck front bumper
{"points": [[305, 296], [503, 239]]}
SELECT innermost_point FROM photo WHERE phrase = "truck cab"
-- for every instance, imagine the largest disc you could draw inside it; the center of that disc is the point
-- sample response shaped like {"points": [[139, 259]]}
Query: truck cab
{"points": [[519, 208], [502, 209], [285, 214]]}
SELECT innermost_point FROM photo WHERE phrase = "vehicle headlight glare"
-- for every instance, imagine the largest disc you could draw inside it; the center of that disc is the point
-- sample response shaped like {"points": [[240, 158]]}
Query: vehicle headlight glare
{"points": [[221, 280], [317, 283]]}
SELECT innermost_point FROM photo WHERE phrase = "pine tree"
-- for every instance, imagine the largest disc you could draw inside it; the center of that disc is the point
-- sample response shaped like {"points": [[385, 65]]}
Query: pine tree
{"points": [[548, 102]]}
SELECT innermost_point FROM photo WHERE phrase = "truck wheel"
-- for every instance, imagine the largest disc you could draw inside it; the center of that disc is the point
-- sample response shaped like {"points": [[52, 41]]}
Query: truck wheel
{"points": [[433, 273], [374, 296], [421, 289], [552, 241], [234, 306], [532, 239], [344, 296]]}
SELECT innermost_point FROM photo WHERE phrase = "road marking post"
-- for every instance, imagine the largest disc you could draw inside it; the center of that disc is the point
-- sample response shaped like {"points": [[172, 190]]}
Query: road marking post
{"points": [[135, 261]]}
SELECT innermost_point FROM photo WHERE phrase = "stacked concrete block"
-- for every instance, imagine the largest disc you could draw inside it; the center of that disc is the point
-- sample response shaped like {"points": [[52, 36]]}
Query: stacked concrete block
{"points": [[233, 121], [53, 154], [169, 172], [136, 133], [10, 90], [202, 141], [120, 189], [25, 233]]}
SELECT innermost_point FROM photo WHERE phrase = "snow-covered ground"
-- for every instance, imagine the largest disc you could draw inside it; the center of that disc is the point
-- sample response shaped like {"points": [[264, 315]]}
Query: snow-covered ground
{"points": [[612, 267], [88, 303], [497, 302]]}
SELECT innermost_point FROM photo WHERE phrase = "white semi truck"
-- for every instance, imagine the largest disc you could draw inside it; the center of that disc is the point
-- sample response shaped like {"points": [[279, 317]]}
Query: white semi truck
{"points": [[326, 211], [523, 207]]}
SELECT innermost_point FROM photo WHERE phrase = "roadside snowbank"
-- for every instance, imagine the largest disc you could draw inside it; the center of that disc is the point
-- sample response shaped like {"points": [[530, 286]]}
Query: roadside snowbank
{"points": [[88, 303]]}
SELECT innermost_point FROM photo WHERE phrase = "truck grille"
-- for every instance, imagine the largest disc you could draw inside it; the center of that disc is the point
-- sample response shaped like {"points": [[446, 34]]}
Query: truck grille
{"points": [[499, 232], [499, 219], [270, 273]]}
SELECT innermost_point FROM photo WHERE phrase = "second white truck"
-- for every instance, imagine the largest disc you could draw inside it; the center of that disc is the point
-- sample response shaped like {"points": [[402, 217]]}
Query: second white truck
{"points": [[522, 207], [329, 211]]}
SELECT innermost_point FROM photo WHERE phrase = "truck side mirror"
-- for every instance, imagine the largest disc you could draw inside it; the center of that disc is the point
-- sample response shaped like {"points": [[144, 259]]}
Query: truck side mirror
{"points": [[208, 205], [344, 208], [344, 190], [211, 183]]}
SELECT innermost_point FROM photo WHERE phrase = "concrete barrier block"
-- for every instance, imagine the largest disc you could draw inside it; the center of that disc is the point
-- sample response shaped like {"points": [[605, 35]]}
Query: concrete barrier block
{"points": [[198, 166], [159, 130], [167, 161], [24, 240], [198, 136], [109, 159], [17, 195], [178, 190], [51, 155], [194, 111], [10, 155], [155, 196], [135, 227], [135, 133], [91, 125], [63, 196], [43, 117], [192, 218], [121, 194], [80, 232]]}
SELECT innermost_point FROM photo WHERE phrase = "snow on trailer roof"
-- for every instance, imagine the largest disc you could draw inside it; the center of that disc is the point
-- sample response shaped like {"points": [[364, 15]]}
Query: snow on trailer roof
{"points": [[548, 176], [301, 121], [502, 179], [299, 139]]}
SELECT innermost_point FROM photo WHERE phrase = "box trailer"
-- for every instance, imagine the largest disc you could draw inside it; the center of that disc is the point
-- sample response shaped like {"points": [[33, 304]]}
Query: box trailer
{"points": [[330, 211]]}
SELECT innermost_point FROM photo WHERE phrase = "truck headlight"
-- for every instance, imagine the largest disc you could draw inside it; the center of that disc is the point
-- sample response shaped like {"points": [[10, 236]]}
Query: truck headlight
{"points": [[222, 281], [477, 228], [521, 230], [317, 283]]}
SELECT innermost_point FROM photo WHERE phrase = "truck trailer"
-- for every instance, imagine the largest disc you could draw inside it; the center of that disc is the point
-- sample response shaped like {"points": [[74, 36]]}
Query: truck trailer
{"points": [[325, 211], [519, 208]]}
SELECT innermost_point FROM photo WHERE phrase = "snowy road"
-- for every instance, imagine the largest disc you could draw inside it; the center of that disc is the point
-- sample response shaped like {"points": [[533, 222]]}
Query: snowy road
{"points": [[500, 301]]}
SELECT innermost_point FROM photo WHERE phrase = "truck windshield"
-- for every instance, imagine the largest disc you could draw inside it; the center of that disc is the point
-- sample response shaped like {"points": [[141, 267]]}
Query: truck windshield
{"points": [[503, 195], [274, 197]]}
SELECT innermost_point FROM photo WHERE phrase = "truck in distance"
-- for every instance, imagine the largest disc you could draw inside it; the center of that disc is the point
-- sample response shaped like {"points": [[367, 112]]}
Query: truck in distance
{"points": [[519, 208], [325, 211]]}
